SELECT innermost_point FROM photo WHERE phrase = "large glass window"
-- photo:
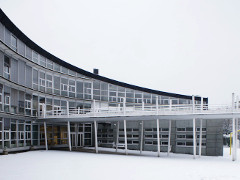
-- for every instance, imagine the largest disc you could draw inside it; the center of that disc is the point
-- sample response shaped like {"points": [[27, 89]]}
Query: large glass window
{"points": [[72, 88], [42, 61], [79, 89], [35, 79], [87, 90], [57, 85], [56, 67], [42, 81], [49, 64], [1, 97], [35, 57], [64, 87], [49, 83], [28, 104], [14, 42], [6, 67]]}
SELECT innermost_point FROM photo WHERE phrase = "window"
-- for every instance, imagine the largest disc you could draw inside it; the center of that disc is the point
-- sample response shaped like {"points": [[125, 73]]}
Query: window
{"points": [[14, 42], [181, 143], [49, 64], [181, 136], [35, 57], [49, 83], [165, 129], [7, 100], [181, 129], [189, 136], [6, 67], [42, 81], [35, 79], [42, 61], [164, 143], [165, 136]]}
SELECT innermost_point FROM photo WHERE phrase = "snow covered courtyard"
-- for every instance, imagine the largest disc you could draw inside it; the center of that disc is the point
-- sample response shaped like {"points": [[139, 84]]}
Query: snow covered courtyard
{"points": [[51, 165]]}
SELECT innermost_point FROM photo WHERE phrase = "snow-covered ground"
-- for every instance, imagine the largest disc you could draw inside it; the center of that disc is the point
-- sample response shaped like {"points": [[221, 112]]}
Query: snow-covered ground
{"points": [[51, 165]]}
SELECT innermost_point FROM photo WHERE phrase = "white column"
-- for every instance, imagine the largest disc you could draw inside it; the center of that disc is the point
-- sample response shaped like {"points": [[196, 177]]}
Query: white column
{"points": [[125, 135], [2, 133], [17, 136], [234, 140], [117, 135], [124, 106], [96, 139], [142, 105], [24, 135], [233, 101], [201, 104], [200, 140], [94, 107], [69, 136], [67, 108], [169, 136], [194, 138], [158, 139], [76, 134], [44, 110], [193, 103], [157, 105], [141, 145], [236, 135], [170, 105], [45, 133]]}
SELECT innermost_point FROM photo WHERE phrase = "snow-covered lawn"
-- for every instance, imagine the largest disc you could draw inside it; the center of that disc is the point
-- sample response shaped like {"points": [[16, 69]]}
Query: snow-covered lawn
{"points": [[51, 165]]}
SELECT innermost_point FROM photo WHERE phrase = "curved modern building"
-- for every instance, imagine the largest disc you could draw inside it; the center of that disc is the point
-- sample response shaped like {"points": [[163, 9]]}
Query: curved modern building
{"points": [[40, 93]]}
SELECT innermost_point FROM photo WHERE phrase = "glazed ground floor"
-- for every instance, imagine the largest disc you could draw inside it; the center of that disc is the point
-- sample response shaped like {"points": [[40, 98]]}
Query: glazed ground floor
{"points": [[175, 136]]}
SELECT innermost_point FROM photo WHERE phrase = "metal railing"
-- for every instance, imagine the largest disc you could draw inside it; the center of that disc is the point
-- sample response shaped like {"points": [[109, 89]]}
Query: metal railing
{"points": [[140, 111]]}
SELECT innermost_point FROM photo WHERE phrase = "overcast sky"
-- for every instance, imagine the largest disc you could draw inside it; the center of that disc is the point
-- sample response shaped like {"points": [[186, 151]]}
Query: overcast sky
{"points": [[182, 46]]}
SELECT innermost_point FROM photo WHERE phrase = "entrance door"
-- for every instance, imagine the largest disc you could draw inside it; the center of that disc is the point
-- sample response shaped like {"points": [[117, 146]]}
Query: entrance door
{"points": [[80, 140], [73, 138]]}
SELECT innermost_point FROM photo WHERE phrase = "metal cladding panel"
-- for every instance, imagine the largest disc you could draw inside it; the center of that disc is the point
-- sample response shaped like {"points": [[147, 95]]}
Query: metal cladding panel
{"points": [[1, 32], [1, 63], [14, 97], [21, 48], [29, 76], [21, 72], [7, 37], [14, 70]]}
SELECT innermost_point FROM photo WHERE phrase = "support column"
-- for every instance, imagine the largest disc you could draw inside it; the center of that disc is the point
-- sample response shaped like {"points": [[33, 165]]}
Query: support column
{"points": [[24, 135], [76, 134], [124, 106], [96, 139], [169, 137], [193, 103], [200, 140], [45, 134], [141, 145], [125, 135], [117, 135], [142, 105], [67, 108], [158, 139], [234, 137], [69, 136], [17, 135], [2, 133], [94, 107], [194, 138], [201, 104]]}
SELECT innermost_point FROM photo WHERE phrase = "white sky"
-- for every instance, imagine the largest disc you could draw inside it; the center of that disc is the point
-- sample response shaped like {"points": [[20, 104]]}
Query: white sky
{"points": [[187, 47]]}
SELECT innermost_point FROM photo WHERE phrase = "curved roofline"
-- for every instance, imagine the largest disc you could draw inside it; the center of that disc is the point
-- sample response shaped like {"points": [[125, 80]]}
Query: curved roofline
{"points": [[28, 42]]}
